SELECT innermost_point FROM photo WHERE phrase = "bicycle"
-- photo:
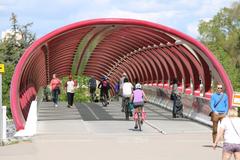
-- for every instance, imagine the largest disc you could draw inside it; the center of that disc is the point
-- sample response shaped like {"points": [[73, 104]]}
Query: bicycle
{"points": [[139, 117], [104, 100], [139, 120], [126, 108]]}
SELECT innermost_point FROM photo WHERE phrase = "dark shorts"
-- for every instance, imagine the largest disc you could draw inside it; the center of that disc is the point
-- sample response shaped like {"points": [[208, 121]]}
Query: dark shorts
{"points": [[231, 147], [138, 104]]}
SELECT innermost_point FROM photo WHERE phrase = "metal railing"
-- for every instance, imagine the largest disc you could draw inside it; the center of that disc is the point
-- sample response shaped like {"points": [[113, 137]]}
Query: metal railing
{"points": [[195, 108]]}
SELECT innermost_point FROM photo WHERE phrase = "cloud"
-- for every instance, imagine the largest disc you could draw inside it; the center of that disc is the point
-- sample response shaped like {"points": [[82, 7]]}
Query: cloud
{"points": [[181, 14], [101, 2], [192, 29], [211, 7], [151, 16], [2, 6], [144, 5], [118, 12]]}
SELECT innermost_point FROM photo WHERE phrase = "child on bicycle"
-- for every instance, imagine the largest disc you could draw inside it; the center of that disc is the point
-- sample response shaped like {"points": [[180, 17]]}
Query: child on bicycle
{"points": [[138, 97]]}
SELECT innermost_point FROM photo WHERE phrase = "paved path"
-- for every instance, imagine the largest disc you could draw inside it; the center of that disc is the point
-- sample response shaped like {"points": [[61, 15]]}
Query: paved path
{"points": [[90, 132]]}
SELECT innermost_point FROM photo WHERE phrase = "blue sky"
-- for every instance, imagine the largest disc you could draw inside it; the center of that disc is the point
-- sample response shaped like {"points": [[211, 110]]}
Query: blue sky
{"points": [[48, 15]]}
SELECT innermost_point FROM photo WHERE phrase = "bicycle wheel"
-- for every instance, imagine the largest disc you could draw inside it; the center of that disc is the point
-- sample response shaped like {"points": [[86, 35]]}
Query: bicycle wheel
{"points": [[139, 121], [126, 109], [104, 101]]}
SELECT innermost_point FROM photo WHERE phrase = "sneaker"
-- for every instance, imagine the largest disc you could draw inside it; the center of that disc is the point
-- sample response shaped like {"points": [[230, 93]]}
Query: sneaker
{"points": [[56, 105], [135, 127]]}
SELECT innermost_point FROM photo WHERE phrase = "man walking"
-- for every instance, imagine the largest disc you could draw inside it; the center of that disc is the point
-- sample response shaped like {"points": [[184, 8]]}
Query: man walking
{"points": [[219, 107], [92, 84]]}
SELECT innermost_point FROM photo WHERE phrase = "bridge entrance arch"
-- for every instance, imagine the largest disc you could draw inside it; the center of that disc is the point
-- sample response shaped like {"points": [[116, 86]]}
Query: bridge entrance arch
{"points": [[152, 53]]}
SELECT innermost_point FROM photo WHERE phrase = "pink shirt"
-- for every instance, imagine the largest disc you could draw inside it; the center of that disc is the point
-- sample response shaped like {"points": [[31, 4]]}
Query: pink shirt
{"points": [[55, 83], [137, 95]]}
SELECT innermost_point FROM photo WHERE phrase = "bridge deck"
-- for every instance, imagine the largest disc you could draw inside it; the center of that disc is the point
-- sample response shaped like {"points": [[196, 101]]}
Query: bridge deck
{"points": [[90, 131], [111, 119]]}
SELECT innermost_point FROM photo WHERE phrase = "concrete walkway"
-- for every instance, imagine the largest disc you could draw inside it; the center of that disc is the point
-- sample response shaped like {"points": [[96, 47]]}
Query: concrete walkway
{"points": [[113, 139]]}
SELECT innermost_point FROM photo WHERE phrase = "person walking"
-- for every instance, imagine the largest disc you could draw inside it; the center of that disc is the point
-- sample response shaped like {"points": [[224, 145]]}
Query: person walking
{"points": [[55, 85], [229, 129], [116, 90], [219, 109], [70, 87], [92, 84], [174, 96]]}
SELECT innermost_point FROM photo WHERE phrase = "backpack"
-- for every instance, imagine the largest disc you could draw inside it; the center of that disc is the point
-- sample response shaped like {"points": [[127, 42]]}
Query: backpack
{"points": [[105, 84]]}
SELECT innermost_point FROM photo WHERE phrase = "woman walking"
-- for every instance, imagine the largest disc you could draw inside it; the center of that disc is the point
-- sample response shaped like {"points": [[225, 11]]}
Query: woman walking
{"points": [[55, 85], [174, 96], [229, 128], [70, 87]]}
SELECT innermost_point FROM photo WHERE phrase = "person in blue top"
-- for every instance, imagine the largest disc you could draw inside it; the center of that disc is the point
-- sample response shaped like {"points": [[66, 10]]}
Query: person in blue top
{"points": [[116, 90], [219, 107]]}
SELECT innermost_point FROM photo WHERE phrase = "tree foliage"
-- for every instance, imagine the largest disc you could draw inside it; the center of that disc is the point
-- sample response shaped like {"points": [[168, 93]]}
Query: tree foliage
{"points": [[81, 94], [221, 35], [12, 46], [17, 39], [7, 76]]}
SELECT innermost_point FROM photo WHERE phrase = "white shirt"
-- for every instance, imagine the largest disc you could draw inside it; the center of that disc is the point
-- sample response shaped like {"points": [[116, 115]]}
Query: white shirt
{"points": [[70, 86], [122, 81], [230, 135], [127, 89]]}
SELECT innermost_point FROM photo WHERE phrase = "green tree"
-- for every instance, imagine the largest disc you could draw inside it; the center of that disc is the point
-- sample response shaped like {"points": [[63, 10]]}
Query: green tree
{"points": [[81, 94], [221, 35], [16, 41], [6, 81], [12, 47]]}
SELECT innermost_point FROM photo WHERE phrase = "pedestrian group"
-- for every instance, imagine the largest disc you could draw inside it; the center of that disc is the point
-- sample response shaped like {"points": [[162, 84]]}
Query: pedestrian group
{"points": [[225, 121]]}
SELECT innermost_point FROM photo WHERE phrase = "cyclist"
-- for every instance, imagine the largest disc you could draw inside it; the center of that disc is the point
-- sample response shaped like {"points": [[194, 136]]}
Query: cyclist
{"points": [[92, 87], [104, 86], [138, 97], [127, 88]]}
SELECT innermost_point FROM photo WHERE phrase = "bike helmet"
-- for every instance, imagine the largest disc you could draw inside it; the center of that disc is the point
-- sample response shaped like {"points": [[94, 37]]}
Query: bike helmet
{"points": [[138, 86], [104, 78]]}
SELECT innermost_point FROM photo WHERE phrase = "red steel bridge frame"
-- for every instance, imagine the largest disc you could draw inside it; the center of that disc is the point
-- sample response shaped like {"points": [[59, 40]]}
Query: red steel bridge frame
{"points": [[152, 53]]}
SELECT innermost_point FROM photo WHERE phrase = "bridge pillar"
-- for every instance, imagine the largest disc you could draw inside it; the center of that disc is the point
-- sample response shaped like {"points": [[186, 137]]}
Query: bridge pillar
{"points": [[31, 123]]}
